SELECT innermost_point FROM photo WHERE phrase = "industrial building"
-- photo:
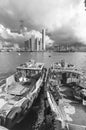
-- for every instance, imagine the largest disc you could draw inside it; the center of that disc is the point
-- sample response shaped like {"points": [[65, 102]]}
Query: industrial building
{"points": [[36, 44]]}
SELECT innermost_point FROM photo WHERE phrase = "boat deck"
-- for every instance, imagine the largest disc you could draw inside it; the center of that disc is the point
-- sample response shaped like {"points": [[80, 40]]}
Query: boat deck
{"points": [[79, 117], [20, 89], [77, 114]]}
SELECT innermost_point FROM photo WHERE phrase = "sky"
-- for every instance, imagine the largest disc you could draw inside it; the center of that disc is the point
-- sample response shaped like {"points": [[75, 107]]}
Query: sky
{"points": [[65, 20]]}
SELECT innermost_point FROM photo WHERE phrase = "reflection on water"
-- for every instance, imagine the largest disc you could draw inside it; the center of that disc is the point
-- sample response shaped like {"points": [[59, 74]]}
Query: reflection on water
{"points": [[9, 61]]}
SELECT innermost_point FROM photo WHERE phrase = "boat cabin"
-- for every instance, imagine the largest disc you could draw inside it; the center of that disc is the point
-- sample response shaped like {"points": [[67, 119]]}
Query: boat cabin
{"points": [[68, 73], [67, 76], [73, 79], [29, 70], [26, 75]]}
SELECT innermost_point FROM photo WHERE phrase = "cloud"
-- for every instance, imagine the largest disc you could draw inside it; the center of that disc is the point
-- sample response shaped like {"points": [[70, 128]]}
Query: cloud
{"points": [[37, 34], [51, 14], [4, 3], [7, 35], [79, 25]]}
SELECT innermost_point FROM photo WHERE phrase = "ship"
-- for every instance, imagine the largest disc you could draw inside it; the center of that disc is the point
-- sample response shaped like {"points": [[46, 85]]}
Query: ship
{"points": [[18, 92], [66, 94]]}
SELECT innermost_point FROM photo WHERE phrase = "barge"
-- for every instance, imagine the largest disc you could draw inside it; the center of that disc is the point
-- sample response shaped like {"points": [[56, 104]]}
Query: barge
{"points": [[66, 94], [19, 91]]}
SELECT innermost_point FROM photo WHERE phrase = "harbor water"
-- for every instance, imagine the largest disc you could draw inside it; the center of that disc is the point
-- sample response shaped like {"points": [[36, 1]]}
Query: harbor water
{"points": [[10, 60], [35, 119]]}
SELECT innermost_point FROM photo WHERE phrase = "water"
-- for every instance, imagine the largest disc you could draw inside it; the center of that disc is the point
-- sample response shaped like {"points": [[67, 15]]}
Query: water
{"points": [[10, 60], [8, 63]]}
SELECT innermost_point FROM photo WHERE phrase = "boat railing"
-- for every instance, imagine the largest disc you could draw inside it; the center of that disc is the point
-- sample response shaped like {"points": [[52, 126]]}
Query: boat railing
{"points": [[2, 81], [71, 126], [2, 84], [46, 76]]}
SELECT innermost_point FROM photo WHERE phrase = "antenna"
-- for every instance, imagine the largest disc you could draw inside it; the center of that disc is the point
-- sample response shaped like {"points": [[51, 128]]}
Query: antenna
{"points": [[21, 26]]}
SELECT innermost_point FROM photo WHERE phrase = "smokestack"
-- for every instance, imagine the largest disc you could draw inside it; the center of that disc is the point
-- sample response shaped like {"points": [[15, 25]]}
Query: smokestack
{"points": [[43, 39]]}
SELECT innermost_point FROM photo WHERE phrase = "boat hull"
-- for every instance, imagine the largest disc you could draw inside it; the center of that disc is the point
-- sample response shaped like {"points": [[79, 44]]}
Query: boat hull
{"points": [[20, 110]]}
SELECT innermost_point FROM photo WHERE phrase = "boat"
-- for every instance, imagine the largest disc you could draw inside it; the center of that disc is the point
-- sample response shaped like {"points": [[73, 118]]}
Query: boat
{"points": [[66, 94], [19, 54], [19, 91], [3, 128], [49, 55]]}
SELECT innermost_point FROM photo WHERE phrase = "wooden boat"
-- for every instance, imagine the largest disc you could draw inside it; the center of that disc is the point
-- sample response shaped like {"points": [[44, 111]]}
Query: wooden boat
{"points": [[19, 91], [66, 94]]}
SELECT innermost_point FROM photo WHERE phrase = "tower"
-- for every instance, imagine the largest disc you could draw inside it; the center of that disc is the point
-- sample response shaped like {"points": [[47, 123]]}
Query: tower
{"points": [[43, 39], [33, 42], [26, 45], [21, 28], [30, 44], [36, 44]]}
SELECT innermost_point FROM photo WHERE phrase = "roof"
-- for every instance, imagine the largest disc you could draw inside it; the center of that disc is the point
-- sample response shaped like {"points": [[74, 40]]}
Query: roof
{"points": [[71, 69], [68, 70], [31, 65]]}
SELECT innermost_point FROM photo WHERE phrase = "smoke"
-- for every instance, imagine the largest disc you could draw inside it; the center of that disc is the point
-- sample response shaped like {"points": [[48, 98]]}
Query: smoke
{"points": [[51, 14]]}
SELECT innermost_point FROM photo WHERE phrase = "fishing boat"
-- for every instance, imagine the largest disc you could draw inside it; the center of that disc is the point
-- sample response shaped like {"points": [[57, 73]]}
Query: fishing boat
{"points": [[66, 94], [19, 91]]}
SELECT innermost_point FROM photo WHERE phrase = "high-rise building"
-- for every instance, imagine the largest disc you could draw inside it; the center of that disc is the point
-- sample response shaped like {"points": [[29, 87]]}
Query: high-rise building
{"points": [[36, 44], [26, 45], [33, 42], [30, 44], [40, 48], [21, 28], [43, 39]]}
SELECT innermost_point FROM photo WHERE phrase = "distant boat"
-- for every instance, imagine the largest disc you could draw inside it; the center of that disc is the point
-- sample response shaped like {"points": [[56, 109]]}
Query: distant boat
{"points": [[19, 54]]}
